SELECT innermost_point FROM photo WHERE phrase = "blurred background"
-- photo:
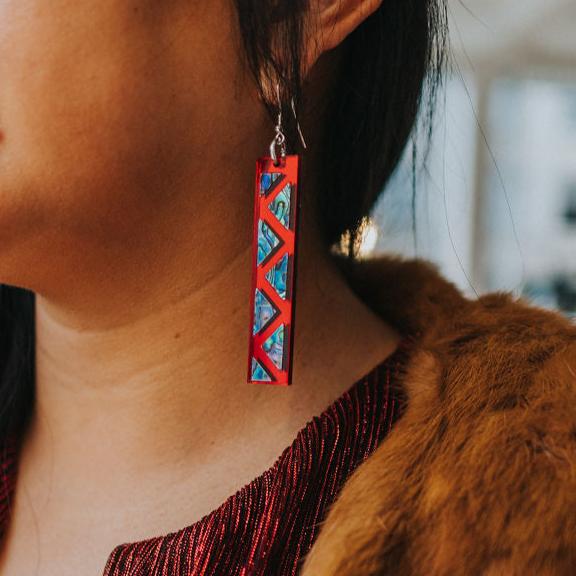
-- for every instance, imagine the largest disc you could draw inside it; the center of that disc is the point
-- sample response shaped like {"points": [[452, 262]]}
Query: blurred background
{"points": [[496, 198]]}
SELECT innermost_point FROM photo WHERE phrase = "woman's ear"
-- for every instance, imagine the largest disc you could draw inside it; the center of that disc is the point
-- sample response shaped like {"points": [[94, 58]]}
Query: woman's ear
{"points": [[330, 22]]}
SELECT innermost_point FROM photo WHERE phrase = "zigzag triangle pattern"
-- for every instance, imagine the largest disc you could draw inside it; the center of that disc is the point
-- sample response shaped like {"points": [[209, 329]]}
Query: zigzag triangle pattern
{"points": [[274, 255]]}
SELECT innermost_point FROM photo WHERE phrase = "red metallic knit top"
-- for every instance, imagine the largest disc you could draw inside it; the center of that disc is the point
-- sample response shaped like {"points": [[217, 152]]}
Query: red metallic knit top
{"points": [[267, 527]]}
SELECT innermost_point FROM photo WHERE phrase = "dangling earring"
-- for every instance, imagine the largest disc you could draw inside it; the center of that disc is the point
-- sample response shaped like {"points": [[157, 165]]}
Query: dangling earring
{"points": [[275, 243]]}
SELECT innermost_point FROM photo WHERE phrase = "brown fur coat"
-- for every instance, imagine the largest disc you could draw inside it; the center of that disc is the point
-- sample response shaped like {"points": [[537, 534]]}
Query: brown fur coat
{"points": [[478, 477]]}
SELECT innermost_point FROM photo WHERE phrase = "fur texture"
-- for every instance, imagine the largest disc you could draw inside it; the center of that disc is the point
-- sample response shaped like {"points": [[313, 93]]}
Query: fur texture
{"points": [[478, 477]]}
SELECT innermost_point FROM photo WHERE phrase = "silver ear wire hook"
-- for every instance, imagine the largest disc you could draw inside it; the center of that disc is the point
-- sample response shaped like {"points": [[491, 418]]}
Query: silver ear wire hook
{"points": [[280, 139], [298, 124]]}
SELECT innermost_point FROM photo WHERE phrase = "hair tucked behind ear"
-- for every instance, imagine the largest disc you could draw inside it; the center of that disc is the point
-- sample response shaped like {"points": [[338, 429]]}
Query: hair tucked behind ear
{"points": [[387, 64]]}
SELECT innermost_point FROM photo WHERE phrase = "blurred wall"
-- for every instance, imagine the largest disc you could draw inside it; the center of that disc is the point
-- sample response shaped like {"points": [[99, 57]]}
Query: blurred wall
{"points": [[496, 199]]}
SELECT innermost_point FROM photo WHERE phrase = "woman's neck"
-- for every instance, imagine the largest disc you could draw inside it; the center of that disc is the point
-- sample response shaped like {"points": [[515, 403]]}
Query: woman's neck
{"points": [[170, 382], [141, 350]]}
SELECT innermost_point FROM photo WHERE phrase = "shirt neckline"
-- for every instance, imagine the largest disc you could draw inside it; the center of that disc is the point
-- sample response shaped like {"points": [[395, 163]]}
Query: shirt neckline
{"points": [[10, 448], [396, 356]]}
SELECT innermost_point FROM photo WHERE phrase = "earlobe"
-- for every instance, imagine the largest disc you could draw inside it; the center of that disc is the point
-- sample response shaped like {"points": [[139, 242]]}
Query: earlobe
{"points": [[332, 22]]}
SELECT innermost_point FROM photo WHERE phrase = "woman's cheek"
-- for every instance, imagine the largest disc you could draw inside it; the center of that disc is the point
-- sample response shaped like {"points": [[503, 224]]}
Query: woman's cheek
{"points": [[77, 103]]}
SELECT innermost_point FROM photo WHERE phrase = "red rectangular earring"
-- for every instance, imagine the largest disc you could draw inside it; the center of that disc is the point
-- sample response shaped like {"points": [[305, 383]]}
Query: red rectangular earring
{"points": [[274, 251]]}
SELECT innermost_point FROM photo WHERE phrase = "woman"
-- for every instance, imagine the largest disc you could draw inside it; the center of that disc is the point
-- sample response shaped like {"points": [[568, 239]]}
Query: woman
{"points": [[423, 433]]}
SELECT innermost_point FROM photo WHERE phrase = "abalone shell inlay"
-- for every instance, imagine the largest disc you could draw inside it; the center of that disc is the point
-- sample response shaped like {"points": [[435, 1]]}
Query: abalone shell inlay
{"points": [[267, 182], [280, 206], [275, 224], [259, 372], [267, 241], [278, 276], [274, 347], [264, 311]]}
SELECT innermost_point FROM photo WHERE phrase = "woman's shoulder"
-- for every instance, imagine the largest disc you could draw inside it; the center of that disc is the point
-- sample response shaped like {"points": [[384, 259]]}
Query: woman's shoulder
{"points": [[478, 476]]}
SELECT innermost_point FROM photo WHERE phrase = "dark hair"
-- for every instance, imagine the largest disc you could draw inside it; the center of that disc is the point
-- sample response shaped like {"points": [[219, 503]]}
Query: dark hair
{"points": [[17, 367], [386, 65]]}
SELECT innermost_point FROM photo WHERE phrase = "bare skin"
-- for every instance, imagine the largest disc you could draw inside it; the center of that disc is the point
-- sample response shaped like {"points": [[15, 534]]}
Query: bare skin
{"points": [[128, 134]]}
